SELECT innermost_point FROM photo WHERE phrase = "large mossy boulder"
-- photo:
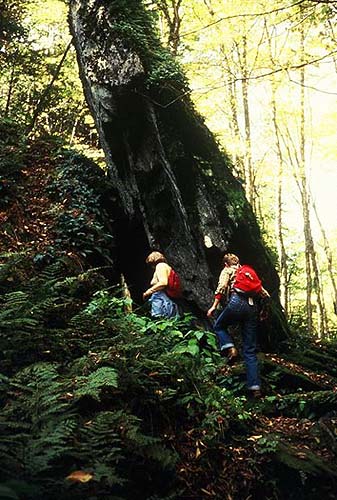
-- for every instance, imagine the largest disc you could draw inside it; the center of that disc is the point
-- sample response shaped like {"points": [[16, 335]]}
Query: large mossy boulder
{"points": [[176, 187]]}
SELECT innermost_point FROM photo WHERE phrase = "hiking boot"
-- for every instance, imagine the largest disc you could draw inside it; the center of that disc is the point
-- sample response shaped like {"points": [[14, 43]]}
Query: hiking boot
{"points": [[231, 354], [255, 393]]}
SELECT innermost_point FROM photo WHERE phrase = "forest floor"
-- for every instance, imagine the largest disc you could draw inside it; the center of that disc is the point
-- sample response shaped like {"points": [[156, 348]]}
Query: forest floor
{"points": [[297, 427], [27, 222]]}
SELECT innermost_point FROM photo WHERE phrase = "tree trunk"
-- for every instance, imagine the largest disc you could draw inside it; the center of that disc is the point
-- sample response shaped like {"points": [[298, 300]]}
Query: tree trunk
{"points": [[305, 205], [10, 90], [282, 256], [74, 128], [173, 20], [313, 275], [231, 86], [328, 254], [42, 101], [279, 210], [175, 186], [249, 176]]}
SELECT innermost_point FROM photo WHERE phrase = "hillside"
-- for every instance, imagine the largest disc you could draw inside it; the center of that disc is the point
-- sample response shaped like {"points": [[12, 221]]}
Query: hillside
{"points": [[101, 402]]}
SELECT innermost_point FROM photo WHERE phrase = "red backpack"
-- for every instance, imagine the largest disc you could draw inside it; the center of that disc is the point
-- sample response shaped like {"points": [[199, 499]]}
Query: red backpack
{"points": [[173, 289], [247, 281]]}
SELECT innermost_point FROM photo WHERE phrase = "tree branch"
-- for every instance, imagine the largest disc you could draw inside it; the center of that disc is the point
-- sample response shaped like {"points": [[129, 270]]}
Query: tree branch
{"points": [[272, 72], [45, 93], [236, 16]]}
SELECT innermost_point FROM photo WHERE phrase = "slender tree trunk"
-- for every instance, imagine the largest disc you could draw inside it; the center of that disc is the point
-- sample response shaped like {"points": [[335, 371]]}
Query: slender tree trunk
{"points": [[45, 93], [73, 131], [322, 317], [10, 90], [173, 19], [328, 254], [249, 176], [234, 121], [313, 275], [282, 256], [279, 210], [304, 192]]}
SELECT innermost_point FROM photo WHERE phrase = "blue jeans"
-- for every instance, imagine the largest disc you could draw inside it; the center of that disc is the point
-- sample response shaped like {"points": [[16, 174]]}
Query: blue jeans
{"points": [[162, 306], [238, 310]]}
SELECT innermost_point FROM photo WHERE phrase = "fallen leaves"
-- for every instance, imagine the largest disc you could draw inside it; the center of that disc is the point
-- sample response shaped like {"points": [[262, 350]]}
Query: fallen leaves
{"points": [[319, 378], [80, 476], [28, 211], [254, 438]]}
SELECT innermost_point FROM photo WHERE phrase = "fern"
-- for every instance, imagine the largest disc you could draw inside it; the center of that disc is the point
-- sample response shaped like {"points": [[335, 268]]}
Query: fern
{"points": [[96, 433], [92, 385], [38, 422], [14, 301], [15, 268]]}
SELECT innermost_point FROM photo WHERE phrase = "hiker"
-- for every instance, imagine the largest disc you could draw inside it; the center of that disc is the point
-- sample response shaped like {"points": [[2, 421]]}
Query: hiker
{"points": [[164, 286], [240, 307]]}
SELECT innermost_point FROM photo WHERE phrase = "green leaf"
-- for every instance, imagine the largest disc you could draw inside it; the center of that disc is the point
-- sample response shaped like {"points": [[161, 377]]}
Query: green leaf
{"points": [[193, 347], [6, 492], [211, 340]]}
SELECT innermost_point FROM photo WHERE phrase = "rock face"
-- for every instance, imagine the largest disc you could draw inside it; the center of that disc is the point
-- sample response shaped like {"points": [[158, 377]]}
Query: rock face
{"points": [[176, 190]]}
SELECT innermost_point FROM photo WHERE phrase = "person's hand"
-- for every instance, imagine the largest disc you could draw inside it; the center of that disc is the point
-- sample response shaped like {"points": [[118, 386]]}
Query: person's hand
{"points": [[146, 295], [210, 312], [264, 314]]}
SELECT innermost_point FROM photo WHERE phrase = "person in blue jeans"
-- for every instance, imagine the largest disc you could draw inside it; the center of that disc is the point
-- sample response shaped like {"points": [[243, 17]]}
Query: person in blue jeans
{"points": [[238, 309], [162, 306]]}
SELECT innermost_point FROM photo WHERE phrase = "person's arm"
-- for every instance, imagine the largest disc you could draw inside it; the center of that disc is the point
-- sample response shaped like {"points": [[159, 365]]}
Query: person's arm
{"points": [[264, 294], [264, 305], [162, 272], [217, 299], [220, 291]]}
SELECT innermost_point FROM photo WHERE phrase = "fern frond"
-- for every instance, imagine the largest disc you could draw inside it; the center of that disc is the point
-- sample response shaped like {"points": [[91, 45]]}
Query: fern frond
{"points": [[14, 301], [38, 423], [93, 384]]}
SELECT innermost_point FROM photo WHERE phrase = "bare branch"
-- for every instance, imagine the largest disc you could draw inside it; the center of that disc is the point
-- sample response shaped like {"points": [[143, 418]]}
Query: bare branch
{"points": [[236, 16], [272, 72], [312, 88], [327, 2]]}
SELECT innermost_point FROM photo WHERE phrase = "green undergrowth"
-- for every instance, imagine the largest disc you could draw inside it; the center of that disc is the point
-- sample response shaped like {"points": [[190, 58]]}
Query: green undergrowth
{"points": [[12, 154], [137, 408], [76, 188], [88, 386]]}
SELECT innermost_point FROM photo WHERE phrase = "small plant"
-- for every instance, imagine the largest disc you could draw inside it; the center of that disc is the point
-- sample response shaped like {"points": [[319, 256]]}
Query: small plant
{"points": [[267, 444]]}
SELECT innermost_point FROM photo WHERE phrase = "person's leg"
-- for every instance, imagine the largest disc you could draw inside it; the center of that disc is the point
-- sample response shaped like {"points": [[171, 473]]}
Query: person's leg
{"points": [[170, 308], [229, 316], [249, 332], [157, 305], [220, 328], [162, 306]]}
